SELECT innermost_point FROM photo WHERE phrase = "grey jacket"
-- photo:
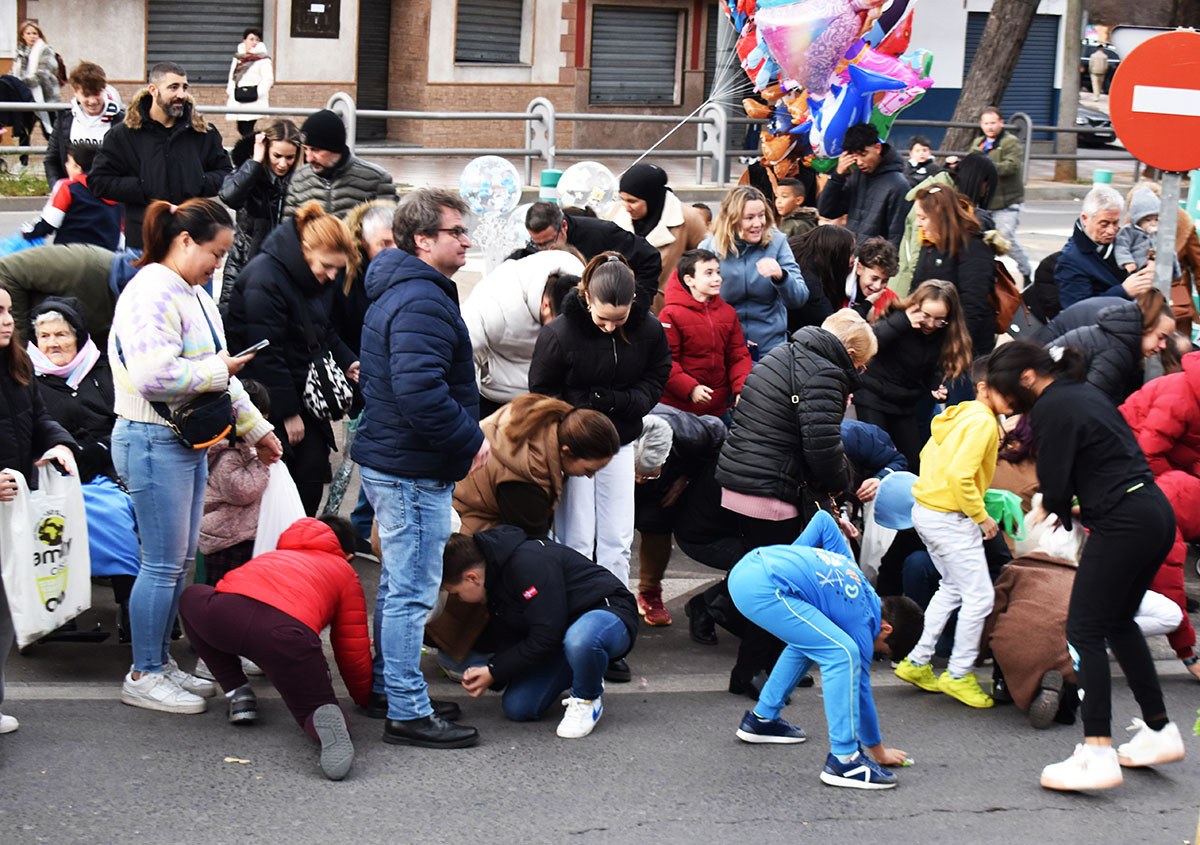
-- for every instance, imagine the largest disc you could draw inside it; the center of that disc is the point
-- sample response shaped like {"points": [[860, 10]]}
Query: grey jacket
{"points": [[341, 188]]}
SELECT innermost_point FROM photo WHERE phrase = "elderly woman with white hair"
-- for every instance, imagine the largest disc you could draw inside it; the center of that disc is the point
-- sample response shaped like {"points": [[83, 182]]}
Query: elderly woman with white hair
{"points": [[1087, 265]]}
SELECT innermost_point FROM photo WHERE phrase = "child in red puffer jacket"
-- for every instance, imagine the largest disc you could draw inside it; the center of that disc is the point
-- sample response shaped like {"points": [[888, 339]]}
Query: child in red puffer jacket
{"points": [[709, 358]]}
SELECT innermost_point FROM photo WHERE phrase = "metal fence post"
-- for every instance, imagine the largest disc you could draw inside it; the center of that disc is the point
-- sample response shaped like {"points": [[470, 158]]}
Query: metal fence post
{"points": [[539, 134], [714, 135], [347, 110], [1025, 136]]}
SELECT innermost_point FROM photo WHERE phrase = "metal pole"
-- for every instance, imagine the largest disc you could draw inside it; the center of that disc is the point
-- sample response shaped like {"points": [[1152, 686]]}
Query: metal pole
{"points": [[1164, 245], [346, 109]]}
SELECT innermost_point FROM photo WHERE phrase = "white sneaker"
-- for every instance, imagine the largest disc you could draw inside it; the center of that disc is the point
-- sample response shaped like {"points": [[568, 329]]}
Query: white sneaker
{"points": [[249, 667], [8, 724], [160, 691], [189, 682], [581, 716], [1150, 747], [1090, 767]]}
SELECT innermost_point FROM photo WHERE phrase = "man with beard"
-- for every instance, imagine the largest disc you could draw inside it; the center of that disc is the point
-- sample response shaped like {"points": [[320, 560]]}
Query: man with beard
{"points": [[331, 174], [163, 150]]}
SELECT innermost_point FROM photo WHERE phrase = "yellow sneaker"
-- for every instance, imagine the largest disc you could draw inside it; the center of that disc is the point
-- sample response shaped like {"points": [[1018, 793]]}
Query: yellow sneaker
{"points": [[918, 676], [966, 689]]}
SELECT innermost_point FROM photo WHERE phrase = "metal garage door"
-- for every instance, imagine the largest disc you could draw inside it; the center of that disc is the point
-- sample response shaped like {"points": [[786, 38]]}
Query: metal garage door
{"points": [[203, 37], [374, 50], [1031, 88], [635, 55], [488, 31]]}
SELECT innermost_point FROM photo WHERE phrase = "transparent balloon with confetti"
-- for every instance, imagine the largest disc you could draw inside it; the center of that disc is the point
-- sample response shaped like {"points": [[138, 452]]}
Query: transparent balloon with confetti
{"points": [[491, 186], [588, 184]]}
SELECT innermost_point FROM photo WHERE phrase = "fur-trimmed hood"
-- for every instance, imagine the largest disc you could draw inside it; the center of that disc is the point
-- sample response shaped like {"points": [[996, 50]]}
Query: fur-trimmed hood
{"points": [[139, 111]]}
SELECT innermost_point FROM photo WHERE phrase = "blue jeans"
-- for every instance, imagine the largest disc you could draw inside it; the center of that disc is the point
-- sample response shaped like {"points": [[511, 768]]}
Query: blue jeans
{"points": [[414, 525], [166, 481], [590, 644], [362, 516]]}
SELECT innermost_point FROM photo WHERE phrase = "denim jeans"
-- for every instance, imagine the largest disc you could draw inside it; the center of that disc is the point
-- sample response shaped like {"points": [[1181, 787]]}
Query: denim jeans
{"points": [[414, 524], [590, 644], [362, 516], [1006, 221], [166, 481]]}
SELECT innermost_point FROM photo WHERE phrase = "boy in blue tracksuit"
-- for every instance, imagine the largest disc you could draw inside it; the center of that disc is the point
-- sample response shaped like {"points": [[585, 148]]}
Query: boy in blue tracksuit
{"points": [[813, 596]]}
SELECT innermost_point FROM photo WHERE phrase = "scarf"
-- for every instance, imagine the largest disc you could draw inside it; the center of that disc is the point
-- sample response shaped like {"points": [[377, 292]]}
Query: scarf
{"points": [[74, 371], [244, 61]]}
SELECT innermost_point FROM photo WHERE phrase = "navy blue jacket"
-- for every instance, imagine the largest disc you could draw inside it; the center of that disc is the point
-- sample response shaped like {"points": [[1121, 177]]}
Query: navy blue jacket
{"points": [[416, 374], [1082, 272], [870, 449]]}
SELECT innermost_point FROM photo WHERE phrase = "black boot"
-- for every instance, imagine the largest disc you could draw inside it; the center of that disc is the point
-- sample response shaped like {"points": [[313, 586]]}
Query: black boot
{"points": [[618, 672], [430, 732], [702, 628], [124, 635]]}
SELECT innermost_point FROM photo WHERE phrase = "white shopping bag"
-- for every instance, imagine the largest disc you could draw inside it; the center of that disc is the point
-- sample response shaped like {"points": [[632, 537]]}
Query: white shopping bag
{"points": [[875, 542], [44, 557], [281, 506]]}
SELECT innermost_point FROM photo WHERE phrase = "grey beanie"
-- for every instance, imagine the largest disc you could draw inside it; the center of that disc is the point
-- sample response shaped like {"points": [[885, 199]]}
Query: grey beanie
{"points": [[651, 449], [1143, 203]]}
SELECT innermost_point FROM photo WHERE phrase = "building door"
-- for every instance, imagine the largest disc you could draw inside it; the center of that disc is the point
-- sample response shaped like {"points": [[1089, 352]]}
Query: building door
{"points": [[1031, 88], [374, 50]]}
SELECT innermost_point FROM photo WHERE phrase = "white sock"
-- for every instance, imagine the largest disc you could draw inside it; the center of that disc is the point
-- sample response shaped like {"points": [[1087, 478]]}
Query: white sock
{"points": [[233, 692], [845, 758]]}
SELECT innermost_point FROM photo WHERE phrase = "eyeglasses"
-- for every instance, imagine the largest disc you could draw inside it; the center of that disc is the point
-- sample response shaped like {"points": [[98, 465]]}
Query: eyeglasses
{"points": [[926, 317], [546, 244], [457, 232]]}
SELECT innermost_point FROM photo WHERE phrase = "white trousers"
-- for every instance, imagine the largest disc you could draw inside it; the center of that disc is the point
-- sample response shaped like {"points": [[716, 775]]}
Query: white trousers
{"points": [[955, 544], [595, 516]]}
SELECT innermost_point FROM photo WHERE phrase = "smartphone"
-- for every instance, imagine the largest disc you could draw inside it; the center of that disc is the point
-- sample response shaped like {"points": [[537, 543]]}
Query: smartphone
{"points": [[262, 344]]}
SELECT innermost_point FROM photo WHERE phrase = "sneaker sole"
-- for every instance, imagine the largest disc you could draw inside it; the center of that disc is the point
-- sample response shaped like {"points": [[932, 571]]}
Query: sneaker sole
{"points": [[151, 704], [918, 684], [657, 623], [978, 704], [337, 751], [1129, 763], [747, 736], [1045, 705], [1061, 786], [588, 732], [243, 717], [852, 783]]}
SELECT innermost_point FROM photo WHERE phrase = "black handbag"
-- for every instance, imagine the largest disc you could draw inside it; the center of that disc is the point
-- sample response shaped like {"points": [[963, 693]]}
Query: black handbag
{"points": [[203, 420], [245, 93]]}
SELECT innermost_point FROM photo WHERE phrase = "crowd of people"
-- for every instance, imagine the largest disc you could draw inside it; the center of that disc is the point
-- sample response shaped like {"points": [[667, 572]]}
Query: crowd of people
{"points": [[811, 391]]}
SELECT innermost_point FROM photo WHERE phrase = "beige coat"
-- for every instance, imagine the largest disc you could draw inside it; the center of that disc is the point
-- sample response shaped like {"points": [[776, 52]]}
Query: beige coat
{"points": [[680, 228]]}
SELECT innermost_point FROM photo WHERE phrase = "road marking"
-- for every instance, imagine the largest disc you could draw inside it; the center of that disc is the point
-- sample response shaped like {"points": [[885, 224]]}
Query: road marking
{"points": [[1158, 99]]}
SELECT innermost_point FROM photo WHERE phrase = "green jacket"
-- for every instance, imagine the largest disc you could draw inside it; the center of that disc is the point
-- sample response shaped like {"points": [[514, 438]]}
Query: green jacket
{"points": [[78, 270], [1008, 156], [800, 221], [910, 244]]}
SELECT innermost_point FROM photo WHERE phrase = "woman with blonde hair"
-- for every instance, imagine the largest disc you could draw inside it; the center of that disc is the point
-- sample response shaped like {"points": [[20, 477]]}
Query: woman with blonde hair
{"points": [[285, 296], [924, 344], [783, 458], [37, 66], [759, 276]]}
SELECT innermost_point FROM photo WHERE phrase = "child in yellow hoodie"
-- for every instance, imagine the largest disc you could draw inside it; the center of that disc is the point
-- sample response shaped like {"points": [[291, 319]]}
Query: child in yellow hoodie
{"points": [[957, 465]]}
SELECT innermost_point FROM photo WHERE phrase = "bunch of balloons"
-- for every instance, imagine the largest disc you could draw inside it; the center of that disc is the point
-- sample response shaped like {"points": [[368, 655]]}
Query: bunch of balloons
{"points": [[822, 66]]}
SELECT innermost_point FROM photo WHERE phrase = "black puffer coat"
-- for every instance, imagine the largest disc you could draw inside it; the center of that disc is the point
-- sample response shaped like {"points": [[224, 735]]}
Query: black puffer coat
{"points": [[26, 427], [904, 370], [257, 194], [786, 433], [265, 304], [973, 272], [622, 377], [1112, 349], [1085, 312]]}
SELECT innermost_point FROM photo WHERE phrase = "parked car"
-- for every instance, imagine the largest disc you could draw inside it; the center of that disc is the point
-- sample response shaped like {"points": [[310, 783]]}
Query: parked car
{"points": [[1085, 52], [1103, 134]]}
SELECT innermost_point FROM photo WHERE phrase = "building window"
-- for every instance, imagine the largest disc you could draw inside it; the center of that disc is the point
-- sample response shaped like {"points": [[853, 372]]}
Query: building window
{"points": [[202, 37], [635, 55], [489, 31]]}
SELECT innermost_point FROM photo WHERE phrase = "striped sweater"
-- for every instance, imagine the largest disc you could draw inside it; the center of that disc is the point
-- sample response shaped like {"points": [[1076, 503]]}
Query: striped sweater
{"points": [[169, 352]]}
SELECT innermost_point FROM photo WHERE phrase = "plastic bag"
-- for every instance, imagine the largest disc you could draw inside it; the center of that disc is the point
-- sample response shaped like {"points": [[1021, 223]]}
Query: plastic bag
{"points": [[281, 506], [112, 531], [44, 557], [875, 542]]}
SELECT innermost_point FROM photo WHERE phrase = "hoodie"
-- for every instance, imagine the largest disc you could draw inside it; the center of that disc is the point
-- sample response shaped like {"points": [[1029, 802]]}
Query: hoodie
{"points": [[536, 590], [873, 203], [958, 462]]}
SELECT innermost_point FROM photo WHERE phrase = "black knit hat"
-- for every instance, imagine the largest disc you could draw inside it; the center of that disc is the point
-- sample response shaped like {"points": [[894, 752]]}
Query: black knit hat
{"points": [[325, 131], [71, 310]]}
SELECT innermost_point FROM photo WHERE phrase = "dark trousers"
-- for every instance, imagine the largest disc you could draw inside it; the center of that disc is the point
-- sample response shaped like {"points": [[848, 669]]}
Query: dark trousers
{"points": [[245, 127], [221, 626], [487, 407], [1119, 561], [908, 432]]}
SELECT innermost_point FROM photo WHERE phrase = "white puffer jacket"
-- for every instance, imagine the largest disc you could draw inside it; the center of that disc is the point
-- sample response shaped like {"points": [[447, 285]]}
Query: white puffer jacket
{"points": [[503, 316], [259, 74]]}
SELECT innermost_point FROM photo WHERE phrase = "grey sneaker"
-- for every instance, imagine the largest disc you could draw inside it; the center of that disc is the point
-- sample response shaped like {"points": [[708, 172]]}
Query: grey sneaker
{"points": [[193, 684], [337, 751], [160, 691]]}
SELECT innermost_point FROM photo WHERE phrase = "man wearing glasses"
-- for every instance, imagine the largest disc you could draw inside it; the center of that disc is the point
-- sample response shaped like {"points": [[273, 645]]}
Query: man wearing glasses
{"points": [[549, 227], [419, 434]]}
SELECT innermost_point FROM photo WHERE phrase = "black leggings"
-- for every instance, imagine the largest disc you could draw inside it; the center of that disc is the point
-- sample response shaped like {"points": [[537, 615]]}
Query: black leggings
{"points": [[908, 432], [1119, 561]]}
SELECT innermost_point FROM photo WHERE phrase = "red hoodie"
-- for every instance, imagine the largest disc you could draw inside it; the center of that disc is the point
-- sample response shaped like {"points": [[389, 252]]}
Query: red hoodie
{"points": [[309, 578], [707, 347]]}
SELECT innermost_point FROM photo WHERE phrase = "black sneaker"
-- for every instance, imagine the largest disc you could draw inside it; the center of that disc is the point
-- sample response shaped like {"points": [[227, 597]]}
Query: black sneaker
{"points": [[618, 672], [431, 732], [702, 628], [243, 706]]}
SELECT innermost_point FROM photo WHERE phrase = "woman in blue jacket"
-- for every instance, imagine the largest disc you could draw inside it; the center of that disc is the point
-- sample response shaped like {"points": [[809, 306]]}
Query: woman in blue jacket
{"points": [[760, 277]]}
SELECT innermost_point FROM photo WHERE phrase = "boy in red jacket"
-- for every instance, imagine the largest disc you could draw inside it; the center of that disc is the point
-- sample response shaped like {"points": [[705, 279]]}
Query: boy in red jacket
{"points": [[272, 610], [709, 358]]}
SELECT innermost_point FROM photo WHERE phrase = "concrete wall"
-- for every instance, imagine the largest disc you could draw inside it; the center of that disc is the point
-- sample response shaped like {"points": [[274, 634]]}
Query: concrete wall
{"points": [[111, 33], [324, 60]]}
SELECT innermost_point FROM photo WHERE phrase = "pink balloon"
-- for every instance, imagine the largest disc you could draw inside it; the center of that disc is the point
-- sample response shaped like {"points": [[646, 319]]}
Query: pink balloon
{"points": [[808, 37]]}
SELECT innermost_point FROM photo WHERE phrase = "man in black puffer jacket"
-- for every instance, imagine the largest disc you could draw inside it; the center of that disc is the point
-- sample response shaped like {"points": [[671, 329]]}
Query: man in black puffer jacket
{"points": [[163, 151], [1115, 348], [872, 198], [331, 174]]}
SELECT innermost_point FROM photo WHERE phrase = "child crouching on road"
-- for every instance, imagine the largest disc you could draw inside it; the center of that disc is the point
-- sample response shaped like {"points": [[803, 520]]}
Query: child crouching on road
{"points": [[957, 465], [813, 596], [557, 621]]}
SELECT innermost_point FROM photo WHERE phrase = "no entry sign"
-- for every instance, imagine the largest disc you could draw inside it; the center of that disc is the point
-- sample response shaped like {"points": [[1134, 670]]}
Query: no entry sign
{"points": [[1154, 101]]}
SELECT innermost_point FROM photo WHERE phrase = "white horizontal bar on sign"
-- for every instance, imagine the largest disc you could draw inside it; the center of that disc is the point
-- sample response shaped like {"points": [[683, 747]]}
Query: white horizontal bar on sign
{"points": [[1156, 99]]}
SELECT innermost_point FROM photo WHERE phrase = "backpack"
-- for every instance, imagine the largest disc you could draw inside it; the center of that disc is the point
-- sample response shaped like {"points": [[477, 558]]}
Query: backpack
{"points": [[61, 73]]}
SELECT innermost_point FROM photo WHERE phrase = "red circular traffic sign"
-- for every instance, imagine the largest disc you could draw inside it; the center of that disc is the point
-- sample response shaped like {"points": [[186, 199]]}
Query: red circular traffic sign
{"points": [[1154, 101]]}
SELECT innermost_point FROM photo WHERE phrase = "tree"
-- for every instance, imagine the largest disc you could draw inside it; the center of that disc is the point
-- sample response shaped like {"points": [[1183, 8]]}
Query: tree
{"points": [[992, 68], [1068, 99]]}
